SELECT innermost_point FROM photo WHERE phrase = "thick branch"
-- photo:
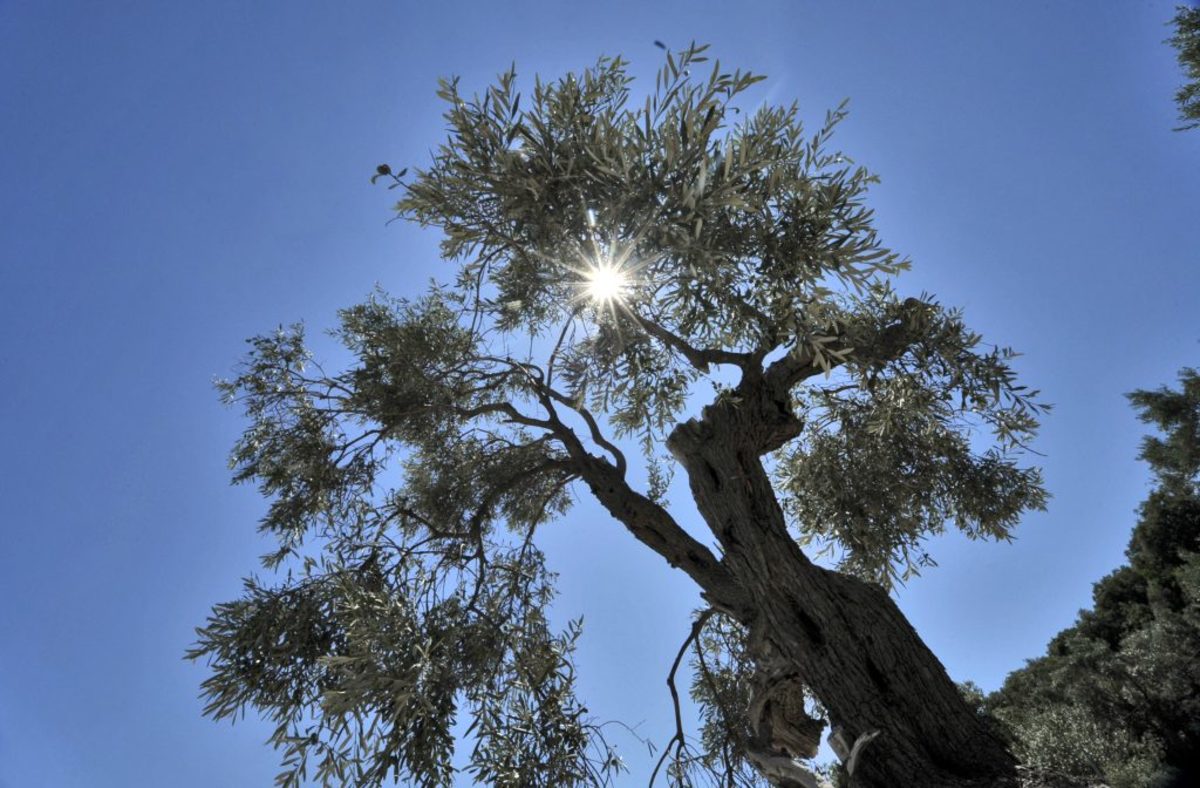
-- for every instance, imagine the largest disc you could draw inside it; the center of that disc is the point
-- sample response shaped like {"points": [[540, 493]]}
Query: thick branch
{"points": [[653, 526], [649, 522], [700, 358], [594, 428], [505, 409], [892, 342]]}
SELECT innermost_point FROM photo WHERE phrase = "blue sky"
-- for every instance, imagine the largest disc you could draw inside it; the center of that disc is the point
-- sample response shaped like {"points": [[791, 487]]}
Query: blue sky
{"points": [[175, 177]]}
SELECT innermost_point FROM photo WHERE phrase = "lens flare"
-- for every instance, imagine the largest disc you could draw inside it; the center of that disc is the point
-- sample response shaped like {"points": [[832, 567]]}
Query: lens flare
{"points": [[606, 283]]}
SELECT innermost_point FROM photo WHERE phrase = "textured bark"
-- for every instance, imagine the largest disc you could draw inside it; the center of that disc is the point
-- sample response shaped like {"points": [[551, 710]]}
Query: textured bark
{"points": [[846, 638], [892, 706]]}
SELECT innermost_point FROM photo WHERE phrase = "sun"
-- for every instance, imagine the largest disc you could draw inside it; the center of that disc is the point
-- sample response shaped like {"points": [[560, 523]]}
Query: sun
{"points": [[606, 275], [606, 282]]}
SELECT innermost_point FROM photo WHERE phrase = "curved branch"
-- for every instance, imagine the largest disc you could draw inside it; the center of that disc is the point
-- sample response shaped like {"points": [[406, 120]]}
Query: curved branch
{"points": [[593, 427], [801, 363], [679, 740], [506, 409], [649, 522], [653, 526], [700, 358]]}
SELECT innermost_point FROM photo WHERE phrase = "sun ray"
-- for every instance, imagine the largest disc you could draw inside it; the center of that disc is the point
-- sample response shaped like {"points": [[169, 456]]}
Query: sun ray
{"points": [[606, 277], [607, 282]]}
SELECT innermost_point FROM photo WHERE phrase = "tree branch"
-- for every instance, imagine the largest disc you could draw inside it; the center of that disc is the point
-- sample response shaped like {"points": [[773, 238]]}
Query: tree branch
{"points": [[801, 363], [558, 345], [653, 526], [700, 358], [593, 427], [649, 522], [505, 409], [679, 740]]}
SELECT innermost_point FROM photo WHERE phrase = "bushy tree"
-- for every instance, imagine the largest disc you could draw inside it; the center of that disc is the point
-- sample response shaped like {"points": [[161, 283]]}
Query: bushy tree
{"points": [[609, 257], [1117, 696], [1187, 41]]}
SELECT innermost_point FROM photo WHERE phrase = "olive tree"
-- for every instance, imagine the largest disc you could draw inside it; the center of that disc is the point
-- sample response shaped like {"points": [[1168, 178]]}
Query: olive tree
{"points": [[612, 259]]}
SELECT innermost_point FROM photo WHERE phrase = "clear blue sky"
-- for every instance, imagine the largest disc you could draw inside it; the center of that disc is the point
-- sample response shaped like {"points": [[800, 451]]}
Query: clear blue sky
{"points": [[175, 177]]}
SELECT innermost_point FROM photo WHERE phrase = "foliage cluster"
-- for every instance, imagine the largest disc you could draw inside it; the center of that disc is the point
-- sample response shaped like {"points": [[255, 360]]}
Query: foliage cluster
{"points": [[1117, 696]]}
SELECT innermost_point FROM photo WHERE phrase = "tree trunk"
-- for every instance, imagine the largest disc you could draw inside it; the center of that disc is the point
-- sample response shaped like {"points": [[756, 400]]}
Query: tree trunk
{"points": [[846, 638]]}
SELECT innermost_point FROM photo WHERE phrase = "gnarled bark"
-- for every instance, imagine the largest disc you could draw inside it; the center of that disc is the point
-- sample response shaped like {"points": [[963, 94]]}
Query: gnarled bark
{"points": [[846, 638]]}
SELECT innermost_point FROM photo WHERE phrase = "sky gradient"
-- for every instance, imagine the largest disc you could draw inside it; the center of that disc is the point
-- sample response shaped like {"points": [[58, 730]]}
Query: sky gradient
{"points": [[176, 177]]}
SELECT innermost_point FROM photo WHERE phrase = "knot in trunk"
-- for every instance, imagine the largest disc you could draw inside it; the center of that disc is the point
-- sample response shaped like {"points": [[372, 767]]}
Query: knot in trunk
{"points": [[780, 719]]}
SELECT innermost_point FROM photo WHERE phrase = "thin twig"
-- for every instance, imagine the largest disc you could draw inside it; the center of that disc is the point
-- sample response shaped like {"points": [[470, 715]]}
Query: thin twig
{"points": [[678, 739]]}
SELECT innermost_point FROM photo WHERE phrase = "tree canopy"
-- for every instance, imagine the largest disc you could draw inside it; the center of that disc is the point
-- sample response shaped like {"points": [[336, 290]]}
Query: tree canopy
{"points": [[1117, 696], [609, 257]]}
